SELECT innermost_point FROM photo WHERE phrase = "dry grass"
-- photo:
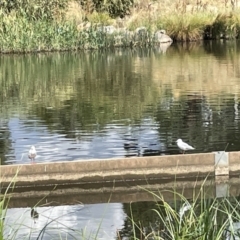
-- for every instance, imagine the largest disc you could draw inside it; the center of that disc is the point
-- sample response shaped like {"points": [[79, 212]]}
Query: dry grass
{"points": [[74, 12], [183, 20]]}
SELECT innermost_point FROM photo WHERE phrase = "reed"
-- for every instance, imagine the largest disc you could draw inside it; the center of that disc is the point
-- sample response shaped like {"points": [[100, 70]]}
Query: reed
{"points": [[2, 217], [198, 218], [186, 26], [35, 9], [226, 25], [4, 201], [22, 35]]}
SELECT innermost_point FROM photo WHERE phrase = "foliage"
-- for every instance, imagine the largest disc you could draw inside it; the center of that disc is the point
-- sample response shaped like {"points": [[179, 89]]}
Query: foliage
{"points": [[100, 18], [35, 9], [4, 201], [187, 26], [2, 216], [55, 25], [226, 25], [115, 8], [17, 34], [201, 217]]}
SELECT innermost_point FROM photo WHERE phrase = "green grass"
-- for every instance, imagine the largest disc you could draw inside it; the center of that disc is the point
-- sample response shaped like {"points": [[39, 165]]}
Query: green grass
{"points": [[201, 218], [4, 201], [187, 26], [2, 217], [22, 35]]}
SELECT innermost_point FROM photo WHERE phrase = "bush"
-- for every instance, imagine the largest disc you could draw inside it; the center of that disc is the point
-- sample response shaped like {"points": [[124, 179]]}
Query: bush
{"points": [[115, 8], [226, 25], [35, 9]]}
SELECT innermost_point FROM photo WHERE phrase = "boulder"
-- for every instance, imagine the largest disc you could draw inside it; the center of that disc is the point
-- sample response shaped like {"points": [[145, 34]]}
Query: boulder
{"points": [[161, 37]]}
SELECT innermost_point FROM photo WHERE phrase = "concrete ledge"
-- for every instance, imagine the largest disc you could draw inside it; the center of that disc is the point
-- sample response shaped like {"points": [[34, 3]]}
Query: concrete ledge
{"points": [[171, 167], [124, 169], [234, 162], [133, 191]]}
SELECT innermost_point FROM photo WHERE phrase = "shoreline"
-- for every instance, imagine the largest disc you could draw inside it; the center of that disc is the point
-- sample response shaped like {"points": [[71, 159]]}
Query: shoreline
{"points": [[77, 29]]}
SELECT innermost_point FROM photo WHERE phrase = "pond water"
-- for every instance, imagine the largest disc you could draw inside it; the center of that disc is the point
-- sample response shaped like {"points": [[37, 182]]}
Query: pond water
{"points": [[107, 104], [99, 221], [122, 103]]}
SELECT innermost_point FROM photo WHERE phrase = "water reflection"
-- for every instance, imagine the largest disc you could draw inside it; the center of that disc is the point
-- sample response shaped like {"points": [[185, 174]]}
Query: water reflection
{"points": [[65, 222], [96, 104]]}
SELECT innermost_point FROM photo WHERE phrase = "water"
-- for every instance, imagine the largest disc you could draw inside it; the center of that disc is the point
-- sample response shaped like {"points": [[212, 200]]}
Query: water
{"points": [[65, 222], [115, 104]]}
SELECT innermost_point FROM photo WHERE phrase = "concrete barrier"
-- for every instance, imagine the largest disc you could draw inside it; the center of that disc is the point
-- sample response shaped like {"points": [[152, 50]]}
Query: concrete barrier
{"points": [[124, 169], [125, 192]]}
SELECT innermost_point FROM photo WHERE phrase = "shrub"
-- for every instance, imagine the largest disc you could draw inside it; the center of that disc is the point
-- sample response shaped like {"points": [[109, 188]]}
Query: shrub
{"points": [[115, 8], [35, 9]]}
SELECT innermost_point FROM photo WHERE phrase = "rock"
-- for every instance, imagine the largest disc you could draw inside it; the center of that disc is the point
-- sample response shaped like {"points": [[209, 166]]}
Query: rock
{"points": [[141, 31], [141, 35], [107, 29], [161, 37]]}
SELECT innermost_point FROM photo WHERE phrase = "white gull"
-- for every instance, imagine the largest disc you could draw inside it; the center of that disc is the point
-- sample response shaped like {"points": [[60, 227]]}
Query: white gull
{"points": [[32, 153], [184, 146]]}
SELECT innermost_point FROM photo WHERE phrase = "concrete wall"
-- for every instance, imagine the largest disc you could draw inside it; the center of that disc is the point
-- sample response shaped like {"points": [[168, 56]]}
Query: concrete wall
{"points": [[130, 191], [125, 192], [136, 168]]}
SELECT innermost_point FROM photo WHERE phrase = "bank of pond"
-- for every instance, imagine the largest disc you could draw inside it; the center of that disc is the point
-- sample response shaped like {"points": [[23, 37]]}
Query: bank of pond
{"points": [[24, 29]]}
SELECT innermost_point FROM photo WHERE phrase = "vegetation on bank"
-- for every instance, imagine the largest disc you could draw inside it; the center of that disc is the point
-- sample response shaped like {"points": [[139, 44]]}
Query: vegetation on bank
{"points": [[50, 25]]}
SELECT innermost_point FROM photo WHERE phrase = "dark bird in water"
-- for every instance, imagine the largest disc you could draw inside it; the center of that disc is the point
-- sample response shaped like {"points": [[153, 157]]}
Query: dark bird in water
{"points": [[130, 145], [32, 154], [34, 214]]}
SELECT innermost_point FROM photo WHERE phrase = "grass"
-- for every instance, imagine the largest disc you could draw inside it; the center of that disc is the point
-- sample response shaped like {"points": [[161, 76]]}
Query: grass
{"points": [[22, 35], [2, 217], [187, 26], [200, 218], [4, 201]]}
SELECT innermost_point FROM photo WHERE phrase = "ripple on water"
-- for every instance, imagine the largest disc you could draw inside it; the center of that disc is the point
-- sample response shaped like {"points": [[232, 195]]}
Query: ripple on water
{"points": [[65, 222], [83, 112]]}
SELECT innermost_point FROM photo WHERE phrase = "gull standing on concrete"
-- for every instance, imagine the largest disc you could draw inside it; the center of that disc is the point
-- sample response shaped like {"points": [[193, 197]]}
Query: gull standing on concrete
{"points": [[184, 146], [32, 153]]}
